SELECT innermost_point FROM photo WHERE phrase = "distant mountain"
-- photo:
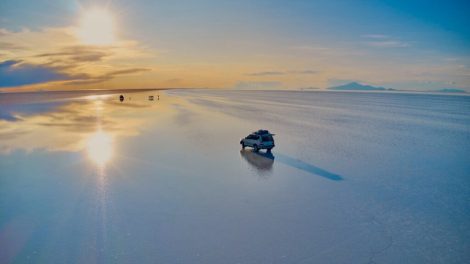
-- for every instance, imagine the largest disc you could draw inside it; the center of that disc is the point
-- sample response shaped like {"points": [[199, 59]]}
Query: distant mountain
{"points": [[354, 86], [450, 90]]}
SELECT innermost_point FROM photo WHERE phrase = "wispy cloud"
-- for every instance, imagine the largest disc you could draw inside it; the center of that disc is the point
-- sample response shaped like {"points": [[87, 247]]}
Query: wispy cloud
{"points": [[266, 73], [76, 54], [268, 85], [17, 73], [277, 73], [333, 50], [303, 72], [376, 36], [10, 46], [311, 48], [384, 41], [388, 44], [57, 58], [105, 77]]}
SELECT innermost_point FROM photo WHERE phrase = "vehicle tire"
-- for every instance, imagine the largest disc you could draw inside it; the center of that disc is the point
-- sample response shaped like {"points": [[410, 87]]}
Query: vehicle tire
{"points": [[255, 148], [243, 145], [269, 150]]}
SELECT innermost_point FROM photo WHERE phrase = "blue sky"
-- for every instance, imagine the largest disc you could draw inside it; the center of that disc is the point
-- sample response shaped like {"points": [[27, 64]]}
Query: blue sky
{"points": [[399, 44]]}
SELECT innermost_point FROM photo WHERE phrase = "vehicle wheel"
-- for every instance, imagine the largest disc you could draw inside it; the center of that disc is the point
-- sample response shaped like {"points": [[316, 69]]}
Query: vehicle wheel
{"points": [[255, 148], [243, 145], [269, 150]]}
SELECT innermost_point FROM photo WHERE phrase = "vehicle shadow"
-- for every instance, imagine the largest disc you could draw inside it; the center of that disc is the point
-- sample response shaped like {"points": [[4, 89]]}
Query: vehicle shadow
{"points": [[307, 167], [264, 161]]}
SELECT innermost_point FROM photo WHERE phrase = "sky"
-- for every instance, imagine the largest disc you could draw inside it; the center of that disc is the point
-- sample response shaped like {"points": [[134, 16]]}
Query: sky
{"points": [[120, 44]]}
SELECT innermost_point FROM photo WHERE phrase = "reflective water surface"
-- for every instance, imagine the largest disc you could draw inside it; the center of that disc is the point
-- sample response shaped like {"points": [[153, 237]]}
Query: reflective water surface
{"points": [[354, 178]]}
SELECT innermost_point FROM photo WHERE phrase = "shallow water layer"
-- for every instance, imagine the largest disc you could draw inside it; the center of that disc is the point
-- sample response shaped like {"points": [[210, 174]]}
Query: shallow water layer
{"points": [[354, 178]]}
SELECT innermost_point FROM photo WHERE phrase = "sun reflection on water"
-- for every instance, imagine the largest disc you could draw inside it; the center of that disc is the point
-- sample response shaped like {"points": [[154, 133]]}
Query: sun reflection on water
{"points": [[100, 147]]}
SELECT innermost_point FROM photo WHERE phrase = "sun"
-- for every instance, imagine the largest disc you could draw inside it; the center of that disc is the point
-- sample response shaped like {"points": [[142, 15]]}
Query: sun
{"points": [[96, 27]]}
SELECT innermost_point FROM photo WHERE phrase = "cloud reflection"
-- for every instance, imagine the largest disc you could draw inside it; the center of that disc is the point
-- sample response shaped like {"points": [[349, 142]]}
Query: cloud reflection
{"points": [[90, 124]]}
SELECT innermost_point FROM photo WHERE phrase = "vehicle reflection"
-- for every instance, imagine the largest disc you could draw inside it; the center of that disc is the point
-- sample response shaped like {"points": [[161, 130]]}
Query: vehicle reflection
{"points": [[261, 161]]}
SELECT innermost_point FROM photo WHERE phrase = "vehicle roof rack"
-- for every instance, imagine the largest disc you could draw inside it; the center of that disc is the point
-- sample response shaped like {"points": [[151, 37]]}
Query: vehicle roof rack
{"points": [[262, 132]]}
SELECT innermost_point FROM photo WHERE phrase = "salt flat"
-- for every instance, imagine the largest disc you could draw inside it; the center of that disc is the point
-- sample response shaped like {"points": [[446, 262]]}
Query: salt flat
{"points": [[354, 178]]}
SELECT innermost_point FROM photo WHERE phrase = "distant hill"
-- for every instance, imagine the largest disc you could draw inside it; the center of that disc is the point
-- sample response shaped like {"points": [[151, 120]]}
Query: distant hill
{"points": [[450, 90], [354, 86]]}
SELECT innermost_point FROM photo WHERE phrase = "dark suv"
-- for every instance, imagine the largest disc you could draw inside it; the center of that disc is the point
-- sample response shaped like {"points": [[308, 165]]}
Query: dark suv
{"points": [[260, 139]]}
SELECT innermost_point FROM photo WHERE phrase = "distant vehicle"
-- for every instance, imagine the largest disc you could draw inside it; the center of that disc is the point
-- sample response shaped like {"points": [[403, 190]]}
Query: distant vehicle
{"points": [[150, 97], [260, 139], [121, 98]]}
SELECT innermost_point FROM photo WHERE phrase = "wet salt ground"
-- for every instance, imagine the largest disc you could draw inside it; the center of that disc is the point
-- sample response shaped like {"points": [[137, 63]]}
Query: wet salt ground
{"points": [[354, 178]]}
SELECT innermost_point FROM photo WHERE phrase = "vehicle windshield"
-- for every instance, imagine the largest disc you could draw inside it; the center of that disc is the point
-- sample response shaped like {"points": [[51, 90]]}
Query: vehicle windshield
{"points": [[267, 138], [255, 137]]}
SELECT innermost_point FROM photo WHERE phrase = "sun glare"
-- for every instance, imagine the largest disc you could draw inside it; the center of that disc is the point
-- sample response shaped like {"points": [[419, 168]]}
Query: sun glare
{"points": [[100, 147], [96, 27]]}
